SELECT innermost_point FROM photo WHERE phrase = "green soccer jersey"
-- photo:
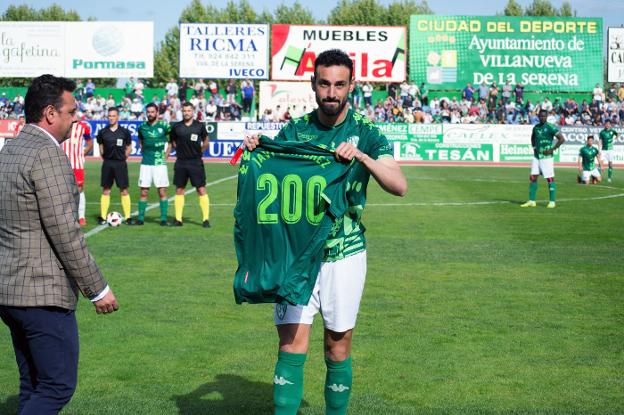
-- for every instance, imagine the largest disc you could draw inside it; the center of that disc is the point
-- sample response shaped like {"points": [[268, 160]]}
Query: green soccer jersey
{"points": [[288, 198], [154, 138], [347, 235], [607, 137], [588, 155], [542, 139]]}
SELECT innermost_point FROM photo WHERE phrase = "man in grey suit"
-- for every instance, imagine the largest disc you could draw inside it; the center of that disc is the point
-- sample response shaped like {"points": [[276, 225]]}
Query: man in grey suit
{"points": [[44, 260]]}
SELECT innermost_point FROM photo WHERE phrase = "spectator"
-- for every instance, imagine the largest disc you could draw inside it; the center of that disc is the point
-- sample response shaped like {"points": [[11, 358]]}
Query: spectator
{"points": [[89, 88], [138, 89], [620, 92], [182, 90], [367, 92], [357, 96], [403, 93], [200, 88], [468, 92], [519, 91], [598, 94], [484, 91], [110, 102], [231, 90], [424, 94], [506, 94], [247, 90], [172, 88], [214, 88], [211, 110], [129, 88]]}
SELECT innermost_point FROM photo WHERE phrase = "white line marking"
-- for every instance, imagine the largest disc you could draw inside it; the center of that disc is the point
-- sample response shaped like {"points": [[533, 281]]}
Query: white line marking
{"points": [[100, 228], [489, 202]]}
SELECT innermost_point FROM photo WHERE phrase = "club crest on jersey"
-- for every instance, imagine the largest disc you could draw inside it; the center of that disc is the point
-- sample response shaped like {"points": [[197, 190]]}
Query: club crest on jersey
{"points": [[353, 140], [193, 137], [160, 130], [280, 309]]}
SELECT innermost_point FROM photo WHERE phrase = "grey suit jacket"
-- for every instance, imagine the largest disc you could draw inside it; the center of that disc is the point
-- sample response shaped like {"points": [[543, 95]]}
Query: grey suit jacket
{"points": [[44, 259]]}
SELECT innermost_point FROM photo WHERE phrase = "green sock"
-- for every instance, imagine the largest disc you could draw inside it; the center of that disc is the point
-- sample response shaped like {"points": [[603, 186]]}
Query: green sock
{"points": [[338, 386], [164, 206], [142, 207], [288, 383], [552, 189], [532, 190], [610, 172]]}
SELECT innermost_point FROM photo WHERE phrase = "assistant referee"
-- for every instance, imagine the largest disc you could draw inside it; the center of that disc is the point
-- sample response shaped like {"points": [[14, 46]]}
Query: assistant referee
{"points": [[190, 139], [115, 147]]}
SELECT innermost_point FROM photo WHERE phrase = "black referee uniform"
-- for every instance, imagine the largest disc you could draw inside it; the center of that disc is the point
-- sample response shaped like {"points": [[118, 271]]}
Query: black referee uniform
{"points": [[188, 142], [114, 166]]}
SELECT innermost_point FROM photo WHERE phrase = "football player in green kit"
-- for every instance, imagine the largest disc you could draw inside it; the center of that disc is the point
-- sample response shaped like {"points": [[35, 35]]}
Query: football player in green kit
{"points": [[607, 137], [586, 165], [542, 138], [340, 282], [153, 138]]}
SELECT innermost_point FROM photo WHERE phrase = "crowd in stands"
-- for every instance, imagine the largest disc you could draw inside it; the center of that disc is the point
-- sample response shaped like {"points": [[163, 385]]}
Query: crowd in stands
{"points": [[210, 103], [487, 104], [407, 102]]}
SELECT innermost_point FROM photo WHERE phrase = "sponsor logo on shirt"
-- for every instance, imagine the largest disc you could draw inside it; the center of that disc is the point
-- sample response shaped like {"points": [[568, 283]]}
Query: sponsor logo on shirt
{"points": [[353, 140]]}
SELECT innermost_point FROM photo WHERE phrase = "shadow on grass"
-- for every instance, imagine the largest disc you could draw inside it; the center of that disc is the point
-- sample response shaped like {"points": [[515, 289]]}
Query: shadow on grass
{"points": [[10, 405], [228, 395]]}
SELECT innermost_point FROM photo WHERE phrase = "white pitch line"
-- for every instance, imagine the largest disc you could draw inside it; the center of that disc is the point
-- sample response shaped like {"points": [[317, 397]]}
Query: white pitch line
{"points": [[100, 228], [488, 202]]}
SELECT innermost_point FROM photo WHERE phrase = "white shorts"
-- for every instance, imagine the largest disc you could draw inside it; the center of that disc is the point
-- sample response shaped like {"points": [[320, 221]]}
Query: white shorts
{"points": [[607, 155], [586, 175], [545, 167], [156, 174], [337, 294]]}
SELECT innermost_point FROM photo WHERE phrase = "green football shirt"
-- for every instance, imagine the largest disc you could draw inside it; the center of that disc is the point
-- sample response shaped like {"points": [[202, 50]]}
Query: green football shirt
{"points": [[347, 235], [542, 139], [288, 198], [607, 137], [588, 156], [154, 138]]}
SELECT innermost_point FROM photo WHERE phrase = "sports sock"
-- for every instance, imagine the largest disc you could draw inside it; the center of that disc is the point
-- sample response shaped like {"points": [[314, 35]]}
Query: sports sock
{"points": [[178, 203], [610, 170], [204, 205], [552, 190], [532, 190], [142, 207], [104, 204], [338, 386], [82, 205], [164, 206], [125, 206], [288, 383]]}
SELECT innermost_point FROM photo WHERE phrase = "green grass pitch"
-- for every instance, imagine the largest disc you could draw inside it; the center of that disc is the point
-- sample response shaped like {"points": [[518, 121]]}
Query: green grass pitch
{"points": [[472, 305]]}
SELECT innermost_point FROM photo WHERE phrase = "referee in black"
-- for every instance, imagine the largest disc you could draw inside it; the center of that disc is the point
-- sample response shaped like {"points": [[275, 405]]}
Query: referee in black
{"points": [[190, 139], [115, 147]]}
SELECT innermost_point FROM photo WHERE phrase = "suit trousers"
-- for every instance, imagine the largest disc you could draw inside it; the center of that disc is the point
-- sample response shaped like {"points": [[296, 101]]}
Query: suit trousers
{"points": [[45, 340]]}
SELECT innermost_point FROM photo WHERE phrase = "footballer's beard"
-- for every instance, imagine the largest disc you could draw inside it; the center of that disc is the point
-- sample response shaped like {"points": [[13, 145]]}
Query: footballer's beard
{"points": [[151, 120], [331, 110]]}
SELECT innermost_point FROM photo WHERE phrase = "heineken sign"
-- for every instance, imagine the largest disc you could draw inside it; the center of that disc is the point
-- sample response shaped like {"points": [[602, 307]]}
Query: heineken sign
{"points": [[541, 53]]}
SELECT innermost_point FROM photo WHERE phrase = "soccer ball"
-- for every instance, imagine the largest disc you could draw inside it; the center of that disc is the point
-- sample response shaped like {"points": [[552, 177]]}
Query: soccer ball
{"points": [[114, 219]]}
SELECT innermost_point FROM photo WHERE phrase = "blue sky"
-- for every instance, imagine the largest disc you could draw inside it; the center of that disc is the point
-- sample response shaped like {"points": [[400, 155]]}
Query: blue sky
{"points": [[165, 13]]}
